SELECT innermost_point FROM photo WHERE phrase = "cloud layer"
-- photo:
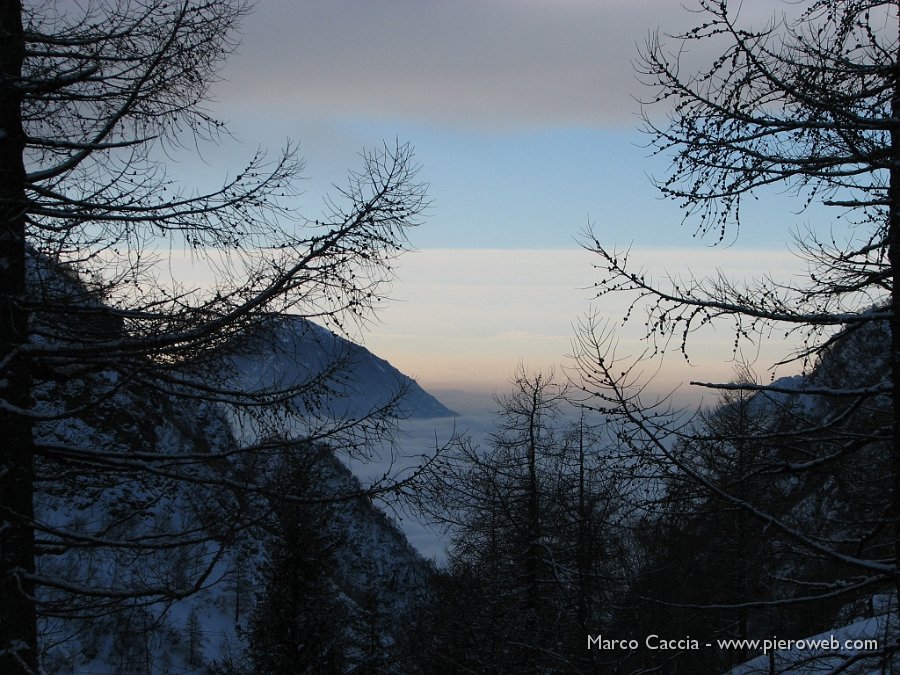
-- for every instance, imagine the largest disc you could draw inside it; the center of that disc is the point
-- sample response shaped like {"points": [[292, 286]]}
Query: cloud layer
{"points": [[464, 318], [482, 63]]}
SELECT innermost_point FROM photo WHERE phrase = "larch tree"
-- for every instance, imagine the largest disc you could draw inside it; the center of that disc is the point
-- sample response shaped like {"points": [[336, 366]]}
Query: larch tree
{"points": [[494, 501], [532, 517], [93, 100], [809, 105]]}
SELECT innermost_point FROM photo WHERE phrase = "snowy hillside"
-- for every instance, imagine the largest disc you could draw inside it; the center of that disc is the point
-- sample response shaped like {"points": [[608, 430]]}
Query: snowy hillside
{"points": [[129, 542], [854, 648], [293, 351], [367, 569]]}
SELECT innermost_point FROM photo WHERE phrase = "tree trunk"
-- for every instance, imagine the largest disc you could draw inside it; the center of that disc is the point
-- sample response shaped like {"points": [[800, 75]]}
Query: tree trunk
{"points": [[894, 259], [533, 555], [18, 623], [583, 549]]}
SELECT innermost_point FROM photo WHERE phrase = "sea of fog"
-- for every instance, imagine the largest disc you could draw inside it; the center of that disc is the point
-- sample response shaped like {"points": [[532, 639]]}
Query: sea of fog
{"points": [[418, 439]]}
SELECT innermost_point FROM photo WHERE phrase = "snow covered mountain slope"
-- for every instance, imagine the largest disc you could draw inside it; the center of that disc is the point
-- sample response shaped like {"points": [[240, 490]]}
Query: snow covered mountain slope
{"points": [[292, 351], [352, 575], [856, 648], [341, 587], [103, 517]]}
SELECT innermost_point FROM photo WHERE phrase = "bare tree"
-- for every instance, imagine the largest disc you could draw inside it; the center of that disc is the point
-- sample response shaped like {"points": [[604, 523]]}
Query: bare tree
{"points": [[809, 105], [772, 509], [532, 522], [93, 99]]}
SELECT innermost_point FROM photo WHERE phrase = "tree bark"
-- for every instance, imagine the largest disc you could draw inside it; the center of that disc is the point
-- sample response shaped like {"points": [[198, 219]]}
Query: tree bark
{"points": [[893, 235], [18, 623]]}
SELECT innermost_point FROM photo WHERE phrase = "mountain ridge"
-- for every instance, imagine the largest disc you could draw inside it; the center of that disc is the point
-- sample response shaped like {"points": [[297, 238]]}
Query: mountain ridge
{"points": [[292, 350]]}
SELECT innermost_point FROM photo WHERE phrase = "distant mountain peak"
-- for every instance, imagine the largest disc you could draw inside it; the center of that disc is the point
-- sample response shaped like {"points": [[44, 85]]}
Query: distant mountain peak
{"points": [[293, 350]]}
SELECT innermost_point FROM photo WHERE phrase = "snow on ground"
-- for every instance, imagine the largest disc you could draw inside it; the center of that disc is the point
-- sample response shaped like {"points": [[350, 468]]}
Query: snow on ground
{"points": [[852, 649]]}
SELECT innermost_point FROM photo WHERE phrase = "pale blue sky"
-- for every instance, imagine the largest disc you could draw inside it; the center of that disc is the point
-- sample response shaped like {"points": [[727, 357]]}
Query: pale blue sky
{"points": [[522, 114]]}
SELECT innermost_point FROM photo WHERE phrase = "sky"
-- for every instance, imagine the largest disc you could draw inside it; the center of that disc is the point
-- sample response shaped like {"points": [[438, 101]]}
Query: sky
{"points": [[524, 117]]}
